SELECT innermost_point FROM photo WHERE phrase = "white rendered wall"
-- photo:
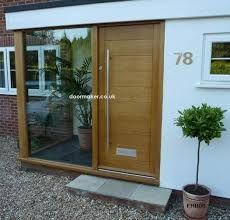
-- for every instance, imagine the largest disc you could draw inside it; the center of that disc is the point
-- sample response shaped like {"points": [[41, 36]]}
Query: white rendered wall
{"points": [[178, 154], [133, 10]]}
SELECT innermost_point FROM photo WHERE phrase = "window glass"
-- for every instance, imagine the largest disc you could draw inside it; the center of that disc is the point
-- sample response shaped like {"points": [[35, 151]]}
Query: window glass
{"points": [[2, 70], [50, 67], [12, 70], [221, 50], [221, 67], [220, 61], [32, 69]]}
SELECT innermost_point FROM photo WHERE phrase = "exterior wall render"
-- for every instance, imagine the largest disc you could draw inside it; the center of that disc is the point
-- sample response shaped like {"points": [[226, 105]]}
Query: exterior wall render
{"points": [[178, 154], [143, 10]]}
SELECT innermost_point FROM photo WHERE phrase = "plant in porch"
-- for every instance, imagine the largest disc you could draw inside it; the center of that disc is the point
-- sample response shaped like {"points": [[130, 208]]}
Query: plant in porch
{"points": [[76, 82], [84, 115], [203, 123]]}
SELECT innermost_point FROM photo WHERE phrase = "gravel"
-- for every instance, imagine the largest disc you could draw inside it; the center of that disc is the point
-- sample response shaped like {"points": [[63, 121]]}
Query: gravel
{"points": [[36, 195]]}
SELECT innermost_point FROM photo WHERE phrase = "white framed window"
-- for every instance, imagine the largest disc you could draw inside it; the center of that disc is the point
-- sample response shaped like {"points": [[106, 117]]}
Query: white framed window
{"points": [[216, 59], [38, 61]]}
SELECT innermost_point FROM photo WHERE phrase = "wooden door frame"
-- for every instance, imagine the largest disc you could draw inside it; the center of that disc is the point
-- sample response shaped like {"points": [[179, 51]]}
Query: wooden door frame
{"points": [[24, 155]]}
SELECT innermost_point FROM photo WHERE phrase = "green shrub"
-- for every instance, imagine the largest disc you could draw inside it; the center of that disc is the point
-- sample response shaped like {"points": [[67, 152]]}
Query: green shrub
{"points": [[203, 122]]}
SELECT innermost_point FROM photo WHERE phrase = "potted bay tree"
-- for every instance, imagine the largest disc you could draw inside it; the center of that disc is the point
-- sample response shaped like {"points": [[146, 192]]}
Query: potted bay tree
{"points": [[203, 123]]}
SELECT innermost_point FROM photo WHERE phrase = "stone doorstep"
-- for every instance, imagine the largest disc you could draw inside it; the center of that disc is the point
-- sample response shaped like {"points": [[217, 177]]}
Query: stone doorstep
{"points": [[128, 193]]}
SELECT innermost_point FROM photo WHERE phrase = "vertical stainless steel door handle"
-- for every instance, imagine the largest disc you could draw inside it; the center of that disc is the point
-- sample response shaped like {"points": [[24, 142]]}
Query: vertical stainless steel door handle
{"points": [[107, 100]]}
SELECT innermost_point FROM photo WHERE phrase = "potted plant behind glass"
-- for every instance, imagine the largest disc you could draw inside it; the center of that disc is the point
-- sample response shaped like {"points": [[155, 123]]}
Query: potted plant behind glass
{"points": [[76, 82], [83, 107], [203, 123], [84, 115]]}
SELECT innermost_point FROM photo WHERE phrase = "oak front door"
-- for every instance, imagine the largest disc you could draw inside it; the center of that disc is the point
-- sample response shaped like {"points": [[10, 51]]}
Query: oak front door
{"points": [[130, 57]]}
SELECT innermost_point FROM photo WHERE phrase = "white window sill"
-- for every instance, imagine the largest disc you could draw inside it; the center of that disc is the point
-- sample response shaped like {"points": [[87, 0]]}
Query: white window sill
{"points": [[7, 93], [212, 85]]}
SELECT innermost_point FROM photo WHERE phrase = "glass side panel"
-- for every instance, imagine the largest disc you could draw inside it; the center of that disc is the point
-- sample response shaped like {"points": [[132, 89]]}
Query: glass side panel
{"points": [[59, 126], [221, 50], [2, 70], [220, 67], [12, 69], [32, 69]]}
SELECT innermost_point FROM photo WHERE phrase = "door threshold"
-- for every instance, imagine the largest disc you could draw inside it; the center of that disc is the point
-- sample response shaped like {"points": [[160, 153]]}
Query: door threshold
{"points": [[126, 173]]}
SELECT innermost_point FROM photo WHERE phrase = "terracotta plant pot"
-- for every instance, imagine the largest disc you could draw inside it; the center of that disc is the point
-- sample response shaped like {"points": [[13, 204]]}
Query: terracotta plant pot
{"points": [[85, 138], [196, 202]]}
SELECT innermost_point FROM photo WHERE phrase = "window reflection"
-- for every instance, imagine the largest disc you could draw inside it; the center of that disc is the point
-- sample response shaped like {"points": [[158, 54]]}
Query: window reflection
{"points": [[2, 70], [32, 69], [12, 69], [59, 65]]}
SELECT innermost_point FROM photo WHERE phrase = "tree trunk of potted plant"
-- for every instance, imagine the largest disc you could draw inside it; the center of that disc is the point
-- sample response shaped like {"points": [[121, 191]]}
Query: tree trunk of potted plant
{"points": [[196, 197]]}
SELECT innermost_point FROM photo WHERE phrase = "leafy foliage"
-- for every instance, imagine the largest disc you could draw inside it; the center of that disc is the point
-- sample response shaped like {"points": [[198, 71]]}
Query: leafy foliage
{"points": [[203, 122], [75, 81], [84, 112]]}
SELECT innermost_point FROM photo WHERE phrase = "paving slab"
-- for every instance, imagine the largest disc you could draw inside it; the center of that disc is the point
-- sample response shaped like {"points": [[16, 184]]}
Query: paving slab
{"points": [[151, 194], [87, 183], [128, 193], [117, 188]]}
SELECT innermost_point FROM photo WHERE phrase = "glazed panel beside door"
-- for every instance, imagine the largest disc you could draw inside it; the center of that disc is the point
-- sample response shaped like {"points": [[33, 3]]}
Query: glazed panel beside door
{"points": [[129, 60]]}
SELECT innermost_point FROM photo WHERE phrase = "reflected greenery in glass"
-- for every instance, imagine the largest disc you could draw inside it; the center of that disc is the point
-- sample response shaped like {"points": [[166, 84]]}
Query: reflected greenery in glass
{"points": [[221, 50], [59, 65], [220, 61], [220, 67]]}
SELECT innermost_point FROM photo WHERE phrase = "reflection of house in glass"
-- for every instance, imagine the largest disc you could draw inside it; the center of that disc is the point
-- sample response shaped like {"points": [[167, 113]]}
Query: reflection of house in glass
{"points": [[59, 65]]}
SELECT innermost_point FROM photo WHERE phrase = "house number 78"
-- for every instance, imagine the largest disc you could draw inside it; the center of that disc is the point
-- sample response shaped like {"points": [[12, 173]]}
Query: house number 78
{"points": [[186, 58]]}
